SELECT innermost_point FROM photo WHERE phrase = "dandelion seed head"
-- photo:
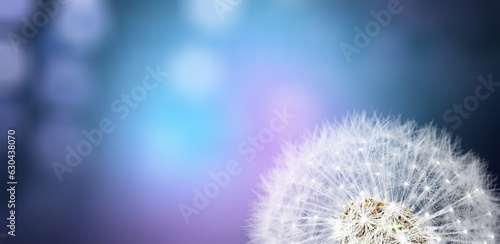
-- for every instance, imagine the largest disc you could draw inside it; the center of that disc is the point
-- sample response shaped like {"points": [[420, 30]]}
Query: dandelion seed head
{"points": [[369, 179]]}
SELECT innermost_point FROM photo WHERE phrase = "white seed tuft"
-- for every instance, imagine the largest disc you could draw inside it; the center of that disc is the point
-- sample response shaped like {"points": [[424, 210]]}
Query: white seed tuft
{"points": [[376, 180]]}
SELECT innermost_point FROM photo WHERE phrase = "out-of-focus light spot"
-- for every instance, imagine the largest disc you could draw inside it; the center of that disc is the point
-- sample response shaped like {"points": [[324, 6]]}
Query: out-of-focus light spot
{"points": [[162, 152], [168, 150], [66, 83], [196, 73], [278, 83], [203, 14], [297, 100], [14, 10], [83, 23], [12, 69]]}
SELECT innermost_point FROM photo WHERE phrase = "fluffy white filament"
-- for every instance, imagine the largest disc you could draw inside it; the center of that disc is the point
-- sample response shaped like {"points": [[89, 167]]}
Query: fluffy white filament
{"points": [[376, 180]]}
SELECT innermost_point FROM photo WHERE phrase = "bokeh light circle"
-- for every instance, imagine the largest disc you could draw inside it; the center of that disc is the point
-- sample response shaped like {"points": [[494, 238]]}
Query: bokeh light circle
{"points": [[12, 69]]}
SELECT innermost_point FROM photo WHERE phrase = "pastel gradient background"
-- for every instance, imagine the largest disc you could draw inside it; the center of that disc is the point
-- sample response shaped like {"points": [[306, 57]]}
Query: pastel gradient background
{"points": [[226, 77]]}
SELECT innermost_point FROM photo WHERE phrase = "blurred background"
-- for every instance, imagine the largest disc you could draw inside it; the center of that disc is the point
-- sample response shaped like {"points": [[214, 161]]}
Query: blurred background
{"points": [[68, 65]]}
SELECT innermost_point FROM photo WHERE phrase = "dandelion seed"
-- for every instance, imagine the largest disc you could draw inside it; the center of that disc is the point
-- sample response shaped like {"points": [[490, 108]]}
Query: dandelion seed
{"points": [[400, 198]]}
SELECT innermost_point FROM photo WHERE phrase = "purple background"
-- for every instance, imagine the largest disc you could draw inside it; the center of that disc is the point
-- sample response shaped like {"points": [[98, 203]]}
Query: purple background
{"points": [[226, 77]]}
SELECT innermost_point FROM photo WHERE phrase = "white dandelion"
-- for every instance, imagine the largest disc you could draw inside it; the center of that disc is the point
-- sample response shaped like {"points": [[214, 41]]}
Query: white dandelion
{"points": [[376, 180]]}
